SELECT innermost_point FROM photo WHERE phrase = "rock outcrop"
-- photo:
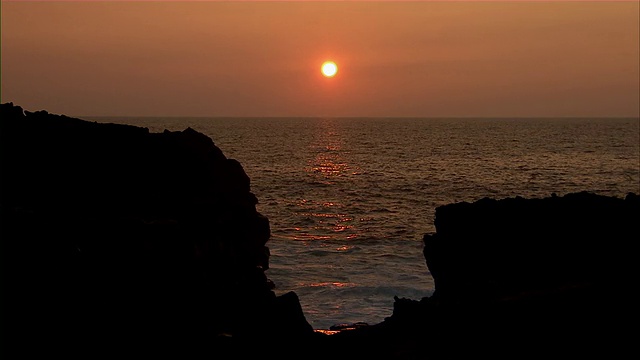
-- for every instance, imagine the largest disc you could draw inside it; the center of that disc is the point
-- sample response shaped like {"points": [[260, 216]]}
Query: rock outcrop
{"points": [[523, 276], [493, 250], [117, 238]]}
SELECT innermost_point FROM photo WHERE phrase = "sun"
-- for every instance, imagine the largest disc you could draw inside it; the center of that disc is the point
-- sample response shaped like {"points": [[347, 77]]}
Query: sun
{"points": [[329, 69]]}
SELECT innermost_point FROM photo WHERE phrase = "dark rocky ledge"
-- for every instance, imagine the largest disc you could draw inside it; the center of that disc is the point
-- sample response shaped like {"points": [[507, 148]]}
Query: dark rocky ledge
{"points": [[517, 278], [117, 240]]}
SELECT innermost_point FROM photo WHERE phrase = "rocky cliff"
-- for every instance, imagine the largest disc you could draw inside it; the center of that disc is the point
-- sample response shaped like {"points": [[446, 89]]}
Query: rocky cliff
{"points": [[115, 237], [523, 277], [519, 278], [492, 249]]}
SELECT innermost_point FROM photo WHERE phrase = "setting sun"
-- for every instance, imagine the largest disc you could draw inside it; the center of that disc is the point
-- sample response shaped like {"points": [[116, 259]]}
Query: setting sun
{"points": [[329, 68]]}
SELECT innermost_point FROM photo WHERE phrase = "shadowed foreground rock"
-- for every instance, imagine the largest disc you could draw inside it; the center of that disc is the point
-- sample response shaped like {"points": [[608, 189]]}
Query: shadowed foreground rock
{"points": [[520, 277], [117, 240]]}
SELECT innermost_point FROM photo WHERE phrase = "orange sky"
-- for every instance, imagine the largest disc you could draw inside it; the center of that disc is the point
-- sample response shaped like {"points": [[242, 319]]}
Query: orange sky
{"points": [[423, 59]]}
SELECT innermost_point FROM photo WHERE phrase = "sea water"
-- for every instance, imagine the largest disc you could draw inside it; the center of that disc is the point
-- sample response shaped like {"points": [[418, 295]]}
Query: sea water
{"points": [[349, 199]]}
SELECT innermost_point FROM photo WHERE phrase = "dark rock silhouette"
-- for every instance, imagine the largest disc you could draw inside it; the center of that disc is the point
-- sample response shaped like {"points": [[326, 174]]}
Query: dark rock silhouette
{"points": [[115, 239], [519, 277], [496, 249]]}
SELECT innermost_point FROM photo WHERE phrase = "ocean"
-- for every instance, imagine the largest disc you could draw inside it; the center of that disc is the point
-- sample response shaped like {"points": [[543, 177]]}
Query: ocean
{"points": [[349, 199]]}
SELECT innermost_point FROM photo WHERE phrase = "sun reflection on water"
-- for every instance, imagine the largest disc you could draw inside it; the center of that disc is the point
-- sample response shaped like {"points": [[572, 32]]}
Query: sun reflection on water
{"points": [[333, 284], [329, 173], [327, 332], [328, 147]]}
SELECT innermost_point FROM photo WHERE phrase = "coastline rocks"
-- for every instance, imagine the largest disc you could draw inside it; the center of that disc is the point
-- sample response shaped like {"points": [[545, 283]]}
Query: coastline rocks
{"points": [[516, 278], [116, 237], [493, 249], [115, 240], [526, 276]]}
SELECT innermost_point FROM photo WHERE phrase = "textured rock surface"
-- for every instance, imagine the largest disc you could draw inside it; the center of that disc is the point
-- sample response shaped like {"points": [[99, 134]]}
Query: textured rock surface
{"points": [[116, 237]]}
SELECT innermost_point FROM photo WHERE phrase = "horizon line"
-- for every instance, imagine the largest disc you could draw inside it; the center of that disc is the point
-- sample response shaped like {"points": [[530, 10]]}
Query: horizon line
{"points": [[329, 1], [356, 117]]}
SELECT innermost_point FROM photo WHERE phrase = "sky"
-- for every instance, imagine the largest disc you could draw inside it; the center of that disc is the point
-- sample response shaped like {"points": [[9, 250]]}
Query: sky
{"points": [[260, 58]]}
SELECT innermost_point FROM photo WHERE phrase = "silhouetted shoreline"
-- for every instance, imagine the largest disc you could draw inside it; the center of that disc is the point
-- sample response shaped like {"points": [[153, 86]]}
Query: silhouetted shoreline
{"points": [[117, 238]]}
